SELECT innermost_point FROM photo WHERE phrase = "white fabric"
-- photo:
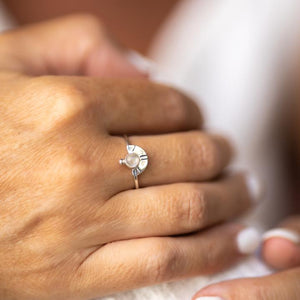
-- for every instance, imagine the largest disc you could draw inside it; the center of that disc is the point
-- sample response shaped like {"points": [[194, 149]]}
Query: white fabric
{"points": [[230, 54], [185, 289]]}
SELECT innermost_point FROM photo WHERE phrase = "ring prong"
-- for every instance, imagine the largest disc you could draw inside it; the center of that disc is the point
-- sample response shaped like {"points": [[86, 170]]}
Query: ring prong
{"points": [[121, 162]]}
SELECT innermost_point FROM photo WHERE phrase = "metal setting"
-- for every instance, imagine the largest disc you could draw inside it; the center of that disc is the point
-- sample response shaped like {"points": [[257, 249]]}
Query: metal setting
{"points": [[136, 159]]}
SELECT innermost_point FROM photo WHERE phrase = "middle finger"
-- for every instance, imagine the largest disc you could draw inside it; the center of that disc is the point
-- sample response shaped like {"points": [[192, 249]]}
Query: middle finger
{"points": [[173, 209]]}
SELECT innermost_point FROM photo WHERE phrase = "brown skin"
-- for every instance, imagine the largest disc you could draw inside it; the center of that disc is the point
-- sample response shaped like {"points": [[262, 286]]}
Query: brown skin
{"points": [[279, 286], [72, 227], [281, 254]]}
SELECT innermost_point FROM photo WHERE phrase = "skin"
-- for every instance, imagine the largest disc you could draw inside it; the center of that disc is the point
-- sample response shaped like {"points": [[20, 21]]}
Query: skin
{"points": [[279, 253], [72, 226]]}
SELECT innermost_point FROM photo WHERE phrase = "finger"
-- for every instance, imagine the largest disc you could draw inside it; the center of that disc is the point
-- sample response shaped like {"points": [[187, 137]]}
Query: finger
{"points": [[177, 157], [73, 45], [174, 209], [280, 286], [125, 106], [281, 248], [138, 106], [140, 262]]}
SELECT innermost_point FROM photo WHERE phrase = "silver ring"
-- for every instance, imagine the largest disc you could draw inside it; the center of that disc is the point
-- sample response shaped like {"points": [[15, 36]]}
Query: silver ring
{"points": [[136, 159]]}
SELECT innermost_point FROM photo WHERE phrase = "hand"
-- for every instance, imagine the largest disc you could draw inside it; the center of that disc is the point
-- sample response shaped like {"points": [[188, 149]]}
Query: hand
{"points": [[73, 45], [281, 250], [72, 227]]}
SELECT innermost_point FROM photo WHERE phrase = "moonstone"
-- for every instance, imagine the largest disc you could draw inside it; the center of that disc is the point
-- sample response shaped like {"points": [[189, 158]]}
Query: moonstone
{"points": [[132, 160]]}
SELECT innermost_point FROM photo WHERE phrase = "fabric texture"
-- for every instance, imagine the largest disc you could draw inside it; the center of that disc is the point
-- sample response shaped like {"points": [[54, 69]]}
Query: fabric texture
{"points": [[185, 289]]}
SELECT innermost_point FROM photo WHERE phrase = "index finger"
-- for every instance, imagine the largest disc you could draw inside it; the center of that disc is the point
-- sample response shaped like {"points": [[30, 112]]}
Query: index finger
{"points": [[135, 106]]}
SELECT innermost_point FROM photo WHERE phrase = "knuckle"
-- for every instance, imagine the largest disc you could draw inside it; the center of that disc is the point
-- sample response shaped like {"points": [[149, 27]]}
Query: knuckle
{"points": [[86, 21], [186, 208], [205, 153], [175, 107], [62, 102], [68, 166], [161, 261], [88, 28], [195, 208]]}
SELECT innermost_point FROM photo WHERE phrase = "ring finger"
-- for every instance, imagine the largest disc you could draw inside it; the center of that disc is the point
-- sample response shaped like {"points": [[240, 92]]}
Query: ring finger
{"points": [[176, 157]]}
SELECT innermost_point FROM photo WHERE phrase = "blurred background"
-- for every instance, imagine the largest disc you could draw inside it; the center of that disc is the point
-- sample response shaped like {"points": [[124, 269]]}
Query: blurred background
{"points": [[238, 58], [133, 22]]}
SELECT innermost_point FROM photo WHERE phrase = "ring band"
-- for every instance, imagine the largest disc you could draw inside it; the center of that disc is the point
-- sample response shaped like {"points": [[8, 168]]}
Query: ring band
{"points": [[136, 159]]}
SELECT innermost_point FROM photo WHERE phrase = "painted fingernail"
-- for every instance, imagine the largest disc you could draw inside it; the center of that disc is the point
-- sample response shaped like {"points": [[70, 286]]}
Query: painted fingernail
{"points": [[150, 68], [283, 233], [142, 63], [209, 298], [255, 187], [248, 240]]}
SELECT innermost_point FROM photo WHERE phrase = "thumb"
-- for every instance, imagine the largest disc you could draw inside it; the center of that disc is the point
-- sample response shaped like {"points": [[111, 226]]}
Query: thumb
{"points": [[279, 286], [281, 247], [72, 45]]}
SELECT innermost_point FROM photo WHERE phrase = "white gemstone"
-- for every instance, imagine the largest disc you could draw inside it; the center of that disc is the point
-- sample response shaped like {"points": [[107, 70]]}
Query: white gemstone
{"points": [[132, 160]]}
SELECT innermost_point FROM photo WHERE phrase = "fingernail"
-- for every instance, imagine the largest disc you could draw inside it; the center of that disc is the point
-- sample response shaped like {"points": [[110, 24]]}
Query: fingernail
{"points": [[248, 240], [255, 187], [209, 298], [287, 234], [149, 67], [142, 63]]}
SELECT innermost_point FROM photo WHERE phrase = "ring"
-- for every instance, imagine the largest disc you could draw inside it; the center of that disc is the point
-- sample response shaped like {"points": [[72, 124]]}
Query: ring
{"points": [[136, 160]]}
